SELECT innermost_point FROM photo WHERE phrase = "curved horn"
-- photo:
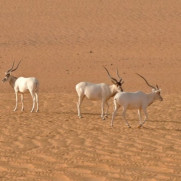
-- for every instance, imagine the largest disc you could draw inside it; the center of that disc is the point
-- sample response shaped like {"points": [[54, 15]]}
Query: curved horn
{"points": [[110, 75], [11, 67], [118, 75], [16, 66], [146, 81]]}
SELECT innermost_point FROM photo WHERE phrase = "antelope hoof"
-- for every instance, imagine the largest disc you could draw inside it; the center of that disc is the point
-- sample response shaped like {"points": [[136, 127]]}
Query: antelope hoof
{"points": [[140, 126], [80, 117], [129, 126], [14, 109], [106, 116]]}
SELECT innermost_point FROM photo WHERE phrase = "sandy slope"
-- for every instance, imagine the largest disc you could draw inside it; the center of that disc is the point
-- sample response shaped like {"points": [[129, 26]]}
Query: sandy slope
{"points": [[65, 42]]}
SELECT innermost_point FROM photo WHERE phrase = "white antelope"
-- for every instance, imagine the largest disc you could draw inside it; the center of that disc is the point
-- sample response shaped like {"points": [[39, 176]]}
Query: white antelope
{"points": [[96, 92], [136, 100], [21, 85]]}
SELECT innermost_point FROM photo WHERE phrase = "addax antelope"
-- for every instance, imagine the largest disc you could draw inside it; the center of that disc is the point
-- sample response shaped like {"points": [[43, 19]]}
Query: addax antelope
{"points": [[136, 100], [96, 92], [21, 85]]}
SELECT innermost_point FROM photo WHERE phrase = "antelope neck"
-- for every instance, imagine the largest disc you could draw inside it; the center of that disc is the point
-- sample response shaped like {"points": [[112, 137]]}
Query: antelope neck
{"points": [[12, 81], [113, 89], [151, 98]]}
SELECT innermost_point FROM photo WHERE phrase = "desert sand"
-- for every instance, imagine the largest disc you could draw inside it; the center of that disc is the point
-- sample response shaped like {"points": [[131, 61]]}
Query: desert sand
{"points": [[65, 42]]}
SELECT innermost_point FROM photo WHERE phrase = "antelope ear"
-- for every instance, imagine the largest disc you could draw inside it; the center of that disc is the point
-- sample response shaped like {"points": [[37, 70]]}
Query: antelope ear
{"points": [[114, 82], [158, 90], [153, 90], [7, 73]]}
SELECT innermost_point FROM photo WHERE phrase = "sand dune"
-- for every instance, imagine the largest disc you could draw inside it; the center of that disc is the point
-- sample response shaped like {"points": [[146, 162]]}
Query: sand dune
{"points": [[65, 42]]}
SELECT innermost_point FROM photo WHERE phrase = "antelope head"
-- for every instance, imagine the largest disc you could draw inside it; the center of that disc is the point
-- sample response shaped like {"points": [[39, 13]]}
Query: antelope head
{"points": [[114, 81], [8, 73], [155, 89]]}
